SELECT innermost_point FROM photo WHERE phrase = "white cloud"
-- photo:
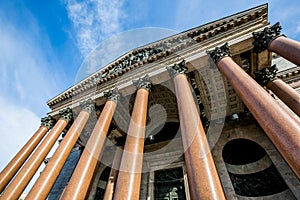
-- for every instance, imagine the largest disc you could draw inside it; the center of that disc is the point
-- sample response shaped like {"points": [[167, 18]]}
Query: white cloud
{"points": [[117, 45], [26, 78], [298, 28], [17, 126], [26, 82], [94, 20]]}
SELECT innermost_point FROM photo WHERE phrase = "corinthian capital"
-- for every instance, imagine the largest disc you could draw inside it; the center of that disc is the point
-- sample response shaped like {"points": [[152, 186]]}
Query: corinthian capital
{"points": [[219, 52], [87, 105], [262, 39], [66, 114], [48, 122], [264, 76], [177, 68], [143, 82], [112, 95]]}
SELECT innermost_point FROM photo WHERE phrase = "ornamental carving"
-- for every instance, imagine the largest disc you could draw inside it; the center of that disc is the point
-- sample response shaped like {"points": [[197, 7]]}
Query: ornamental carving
{"points": [[219, 52], [137, 57], [262, 39], [143, 82], [161, 49], [264, 76], [66, 114], [177, 68], [48, 122], [112, 95], [87, 105]]}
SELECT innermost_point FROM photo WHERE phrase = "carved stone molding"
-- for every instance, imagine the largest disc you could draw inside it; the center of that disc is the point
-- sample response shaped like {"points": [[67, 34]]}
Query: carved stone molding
{"points": [[87, 105], [48, 122], [112, 95], [219, 52], [143, 82], [177, 68], [262, 39], [264, 76], [163, 48], [66, 114]]}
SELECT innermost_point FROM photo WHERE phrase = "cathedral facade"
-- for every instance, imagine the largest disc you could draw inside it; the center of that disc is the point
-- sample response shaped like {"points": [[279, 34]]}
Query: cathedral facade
{"points": [[209, 113]]}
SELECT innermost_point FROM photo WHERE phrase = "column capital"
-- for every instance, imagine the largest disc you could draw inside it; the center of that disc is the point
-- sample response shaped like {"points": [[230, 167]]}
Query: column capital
{"points": [[48, 121], [143, 82], [177, 68], [87, 105], [66, 114], [219, 52], [264, 76], [112, 95], [262, 39]]}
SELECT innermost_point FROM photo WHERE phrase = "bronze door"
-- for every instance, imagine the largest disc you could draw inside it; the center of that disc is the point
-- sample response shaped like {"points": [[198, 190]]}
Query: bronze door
{"points": [[169, 185]]}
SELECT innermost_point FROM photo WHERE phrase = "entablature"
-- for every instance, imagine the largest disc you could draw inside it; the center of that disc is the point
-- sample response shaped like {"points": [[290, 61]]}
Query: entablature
{"points": [[152, 59]]}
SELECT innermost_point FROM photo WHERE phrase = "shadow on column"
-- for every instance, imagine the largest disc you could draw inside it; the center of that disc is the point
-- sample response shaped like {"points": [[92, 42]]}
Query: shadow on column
{"points": [[100, 191], [64, 175]]}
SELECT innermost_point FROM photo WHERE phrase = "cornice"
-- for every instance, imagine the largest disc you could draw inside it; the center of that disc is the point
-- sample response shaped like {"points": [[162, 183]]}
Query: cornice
{"points": [[160, 49], [295, 71], [239, 40]]}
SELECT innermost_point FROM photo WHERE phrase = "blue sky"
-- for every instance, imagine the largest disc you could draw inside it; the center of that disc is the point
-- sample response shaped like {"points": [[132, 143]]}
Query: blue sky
{"points": [[43, 43]]}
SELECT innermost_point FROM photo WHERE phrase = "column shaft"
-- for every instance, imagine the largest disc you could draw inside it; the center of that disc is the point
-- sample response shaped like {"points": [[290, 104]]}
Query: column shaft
{"points": [[19, 183], [15, 164], [287, 48], [109, 191], [280, 127], [286, 93], [46, 180], [204, 182], [79, 183], [129, 178]]}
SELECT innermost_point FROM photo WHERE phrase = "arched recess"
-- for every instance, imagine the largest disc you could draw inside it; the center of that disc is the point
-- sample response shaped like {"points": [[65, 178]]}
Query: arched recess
{"points": [[250, 169], [253, 132]]}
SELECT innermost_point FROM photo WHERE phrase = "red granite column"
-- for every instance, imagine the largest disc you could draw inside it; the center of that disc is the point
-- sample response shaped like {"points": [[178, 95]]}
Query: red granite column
{"points": [[204, 182], [46, 180], [280, 127], [286, 93], [16, 163], [271, 39], [19, 183], [129, 178], [79, 183], [109, 191], [287, 48], [267, 77]]}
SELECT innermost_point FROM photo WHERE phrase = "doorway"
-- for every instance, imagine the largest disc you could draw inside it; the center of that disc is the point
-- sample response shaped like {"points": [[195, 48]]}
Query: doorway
{"points": [[169, 184]]}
